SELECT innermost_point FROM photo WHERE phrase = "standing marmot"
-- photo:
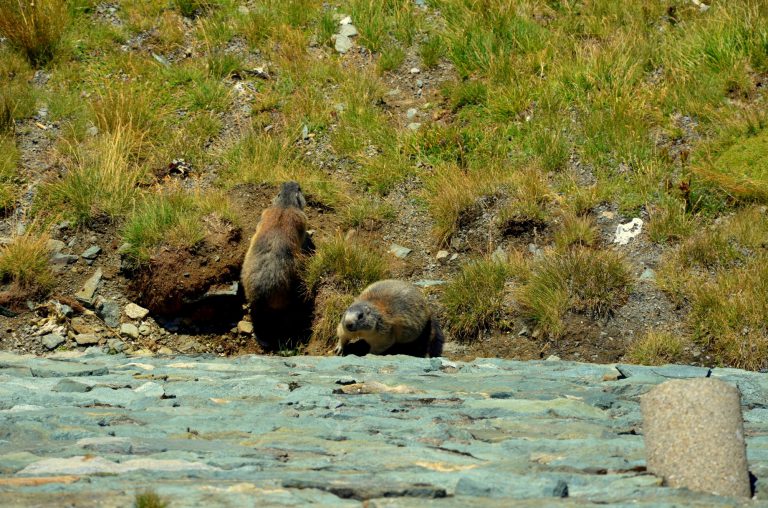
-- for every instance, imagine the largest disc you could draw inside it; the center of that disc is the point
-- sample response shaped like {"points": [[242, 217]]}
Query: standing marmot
{"points": [[270, 273], [392, 317]]}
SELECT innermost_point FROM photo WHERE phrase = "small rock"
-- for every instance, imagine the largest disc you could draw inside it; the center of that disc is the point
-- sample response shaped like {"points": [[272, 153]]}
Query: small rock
{"points": [[442, 256], [79, 325], [70, 386], [91, 252], [124, 248], [415, 70], [85, 295], [243, 10], [411, 113], [245, 327], [420, 83], [399, 251], [524, 332], [87, 339], [134, 311], [165, 351], [346, 20], [92, 131], [55, 246], [628, 231], [607, 215], [425, 283], [305, 132], [343, 44], [63, 259], [109, 311], [648, 274], [454, 257], [52, 340], [144, 329], [553, 358], [499, 255], [116, 345], [129, 330], [348, 30], [414, 126], [534, 249]]}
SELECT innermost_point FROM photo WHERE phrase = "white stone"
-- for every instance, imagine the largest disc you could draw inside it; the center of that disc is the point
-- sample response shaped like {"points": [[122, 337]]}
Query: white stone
{"points": [[245, 327], [134, 311], [343, 43], [348, 30], [129, 330], [628, 231], [346, 20]]}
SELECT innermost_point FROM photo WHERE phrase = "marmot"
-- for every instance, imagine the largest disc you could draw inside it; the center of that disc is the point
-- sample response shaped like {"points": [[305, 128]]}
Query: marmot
{"points": [[392, 317], [270, 273]]}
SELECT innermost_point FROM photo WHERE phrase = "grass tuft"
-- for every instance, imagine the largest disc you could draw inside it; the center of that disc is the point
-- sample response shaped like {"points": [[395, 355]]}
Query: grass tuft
{"points": [[24, 266], [345, 264], [656, 348], [579, 280], [34, 27], [474, 300], [149, 499]]}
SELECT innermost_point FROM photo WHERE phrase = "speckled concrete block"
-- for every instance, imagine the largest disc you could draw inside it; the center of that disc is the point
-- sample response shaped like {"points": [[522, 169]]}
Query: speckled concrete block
{"points": [[694, 436]]}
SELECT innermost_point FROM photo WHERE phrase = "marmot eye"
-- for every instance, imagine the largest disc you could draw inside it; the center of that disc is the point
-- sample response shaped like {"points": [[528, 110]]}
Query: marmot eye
{"points": [[359, 315]]}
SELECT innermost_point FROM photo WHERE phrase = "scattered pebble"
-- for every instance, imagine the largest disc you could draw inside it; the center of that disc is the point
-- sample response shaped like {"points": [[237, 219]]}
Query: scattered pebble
{"points": [[134, 311], [91, 252], [399, 251], [116, 345], [411, 113], [85, 295], [415, 70], [129, 330], [245, 327], [87, 339], [628, 231], [442, 256], [53, 340]]}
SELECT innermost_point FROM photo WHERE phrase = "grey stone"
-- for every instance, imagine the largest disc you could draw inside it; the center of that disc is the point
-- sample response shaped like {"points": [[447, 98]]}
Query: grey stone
{"points": [[63, 259], [80, 325], [425, 283], [91, 252], [442, 256], [342, 44], [86, 294], [348, 30], [116, 345], [55, 246], [109, 311], [411, 113], [87, 339], [144, 329], [129, 330], [648, 274], [71, 386], [53, 340], [414, 126], [500, 255], [399, 251], [66, 369], [134, 311]]}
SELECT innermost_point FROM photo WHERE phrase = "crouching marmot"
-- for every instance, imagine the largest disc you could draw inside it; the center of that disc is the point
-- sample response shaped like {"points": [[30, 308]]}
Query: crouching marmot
{"points": [[270, 273], [392, 317]]}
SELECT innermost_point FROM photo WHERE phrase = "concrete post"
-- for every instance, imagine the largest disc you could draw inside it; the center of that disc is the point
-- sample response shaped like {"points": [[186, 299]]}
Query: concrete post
{"points": [[694, 436]]}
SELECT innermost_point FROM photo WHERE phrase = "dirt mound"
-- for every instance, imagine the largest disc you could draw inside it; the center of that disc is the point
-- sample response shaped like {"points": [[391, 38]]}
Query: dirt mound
{"points": [[199, 284]]}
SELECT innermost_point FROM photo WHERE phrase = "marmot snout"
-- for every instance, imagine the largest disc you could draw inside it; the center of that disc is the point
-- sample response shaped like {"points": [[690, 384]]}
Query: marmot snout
{"points": [[392, 317]]}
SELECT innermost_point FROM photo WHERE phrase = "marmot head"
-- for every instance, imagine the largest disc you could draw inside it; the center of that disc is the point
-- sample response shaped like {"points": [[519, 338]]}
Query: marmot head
{"points": [[359, 316], [290, 196]]}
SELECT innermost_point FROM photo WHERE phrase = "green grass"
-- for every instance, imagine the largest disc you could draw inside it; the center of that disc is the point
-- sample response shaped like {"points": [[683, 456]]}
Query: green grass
{"points": [[174, 218], [474, 299], [9, 160], [345, 264], [34, 28], [579, 280], [149, 499], [656, 348], [24, 266], [101, 179]]}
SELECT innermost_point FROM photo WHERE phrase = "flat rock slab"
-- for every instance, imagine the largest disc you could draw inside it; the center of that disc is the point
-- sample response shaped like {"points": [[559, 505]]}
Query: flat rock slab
{"points": [[93, 430]]}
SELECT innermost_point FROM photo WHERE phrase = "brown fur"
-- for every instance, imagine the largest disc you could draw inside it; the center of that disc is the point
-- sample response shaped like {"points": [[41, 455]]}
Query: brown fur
{"points": [[270, 273], [392, 317]]}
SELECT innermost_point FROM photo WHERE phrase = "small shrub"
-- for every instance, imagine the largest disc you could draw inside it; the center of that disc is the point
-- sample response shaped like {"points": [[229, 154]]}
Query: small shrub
{"points": [[474, 300], [656, 348], [149, 499], [35, 27], [742, 169], [367, 213], [329, 307], [191, 8], [730, 314], [9, 158], [344, 264], [431, 50], [576, 230], [174, 218], [579, 280], [528, 207], [669, 222], [102, 178], [24, 266], [391, 58]]}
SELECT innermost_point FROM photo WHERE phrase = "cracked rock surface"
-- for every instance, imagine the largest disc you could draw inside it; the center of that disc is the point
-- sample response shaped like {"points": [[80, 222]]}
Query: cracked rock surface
{"points": [[93, 430]]}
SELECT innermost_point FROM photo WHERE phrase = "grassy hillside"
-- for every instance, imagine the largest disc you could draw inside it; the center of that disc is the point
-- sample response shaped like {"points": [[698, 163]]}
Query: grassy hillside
{"points": [[517, 135]]}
